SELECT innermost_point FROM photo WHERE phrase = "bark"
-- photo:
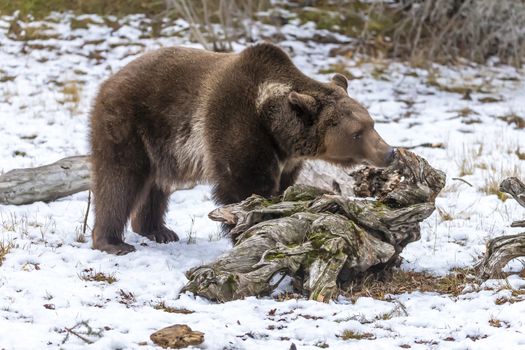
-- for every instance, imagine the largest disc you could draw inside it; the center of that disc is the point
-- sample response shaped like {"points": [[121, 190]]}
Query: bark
{"points": [[503, 249], [320, 239], [46, 183], [516, 189], [499, 252]]}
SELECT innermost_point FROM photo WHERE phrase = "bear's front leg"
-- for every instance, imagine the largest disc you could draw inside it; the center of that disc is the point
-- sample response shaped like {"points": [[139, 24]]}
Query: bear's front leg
{"points": [[237, 180]]}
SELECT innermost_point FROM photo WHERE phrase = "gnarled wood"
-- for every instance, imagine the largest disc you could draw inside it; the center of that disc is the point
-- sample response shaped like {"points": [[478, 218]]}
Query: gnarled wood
{"points": [[317, 237], [516, 189], [501, 250]]}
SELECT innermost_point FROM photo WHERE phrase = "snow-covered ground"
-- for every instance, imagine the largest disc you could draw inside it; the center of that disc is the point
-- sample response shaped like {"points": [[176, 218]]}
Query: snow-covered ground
{"points": [[46, 88]]}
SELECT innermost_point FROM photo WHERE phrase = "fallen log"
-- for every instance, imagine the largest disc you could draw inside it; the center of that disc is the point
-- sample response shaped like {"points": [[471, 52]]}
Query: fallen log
{"points": [[319, 239], [45, 183], [72, 174], [501, 250]]}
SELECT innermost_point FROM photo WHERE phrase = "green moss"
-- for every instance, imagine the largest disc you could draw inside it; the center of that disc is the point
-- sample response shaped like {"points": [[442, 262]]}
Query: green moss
{"points": [[319, 238], [274, 256], [323, 19]]}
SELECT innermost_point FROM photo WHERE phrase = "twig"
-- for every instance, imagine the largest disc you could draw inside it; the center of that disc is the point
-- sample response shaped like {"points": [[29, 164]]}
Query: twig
{"points": [[462, 180], [519, 223], [426, 144], [87, 214], [70, 330]]}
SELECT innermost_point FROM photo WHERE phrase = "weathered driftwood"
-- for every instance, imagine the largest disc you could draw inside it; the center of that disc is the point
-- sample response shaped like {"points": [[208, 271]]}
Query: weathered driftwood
{"points": [[501, 250], [317, 238], [516, 189], [45, 183], [71, 175]]}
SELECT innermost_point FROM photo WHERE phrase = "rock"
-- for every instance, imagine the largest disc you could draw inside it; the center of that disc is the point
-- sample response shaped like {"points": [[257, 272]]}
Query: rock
{"points": [[177, 336]]}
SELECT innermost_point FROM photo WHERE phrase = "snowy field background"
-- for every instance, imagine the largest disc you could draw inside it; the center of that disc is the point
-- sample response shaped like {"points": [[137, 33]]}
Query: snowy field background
{"points": [[47, 84]]}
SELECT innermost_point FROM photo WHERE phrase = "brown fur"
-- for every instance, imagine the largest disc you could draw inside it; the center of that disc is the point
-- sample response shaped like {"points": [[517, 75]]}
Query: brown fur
{"points": [[243, 122]]}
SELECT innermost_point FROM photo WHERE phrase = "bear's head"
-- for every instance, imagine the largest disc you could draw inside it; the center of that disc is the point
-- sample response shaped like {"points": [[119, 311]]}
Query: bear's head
{"points": [[343, 127]]}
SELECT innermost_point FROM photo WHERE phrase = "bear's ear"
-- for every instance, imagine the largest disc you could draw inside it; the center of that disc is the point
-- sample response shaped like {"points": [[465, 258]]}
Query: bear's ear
{"points": [[340, 80], [306, 103]]}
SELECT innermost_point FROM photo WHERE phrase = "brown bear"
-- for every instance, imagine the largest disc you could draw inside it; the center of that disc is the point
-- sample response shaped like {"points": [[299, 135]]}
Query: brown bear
{"points": [[243, 122]]}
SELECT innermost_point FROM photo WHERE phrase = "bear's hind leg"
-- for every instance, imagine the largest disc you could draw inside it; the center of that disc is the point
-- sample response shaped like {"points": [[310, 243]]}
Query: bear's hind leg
{"points": [[114, 190], [148, 217]]}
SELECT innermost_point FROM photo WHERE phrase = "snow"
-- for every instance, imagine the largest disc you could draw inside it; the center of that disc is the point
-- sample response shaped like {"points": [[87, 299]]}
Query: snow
{"points": [[41, 290]]}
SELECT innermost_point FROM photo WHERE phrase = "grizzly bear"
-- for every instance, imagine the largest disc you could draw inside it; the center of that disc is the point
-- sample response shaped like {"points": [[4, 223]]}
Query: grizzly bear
{"points": [[243, 122]]}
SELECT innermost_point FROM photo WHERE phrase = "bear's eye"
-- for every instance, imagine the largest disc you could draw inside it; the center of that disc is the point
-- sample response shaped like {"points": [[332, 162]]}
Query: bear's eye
{"points": [[357, 135]]}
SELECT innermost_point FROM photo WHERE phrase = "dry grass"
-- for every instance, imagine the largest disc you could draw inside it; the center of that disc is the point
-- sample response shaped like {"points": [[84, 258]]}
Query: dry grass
{"points": [[93, 276], [494, 322], [174, 310], [467, 161], [513, 119], [349, 334], [5, 248], [443, 30], [444, 215], [71, 92], [398, 282], [216, 24], [494, 177]]}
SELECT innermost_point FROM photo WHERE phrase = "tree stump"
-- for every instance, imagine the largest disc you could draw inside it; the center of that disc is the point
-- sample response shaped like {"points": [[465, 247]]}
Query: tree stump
{"points": [[318, 238], [501, 250]]}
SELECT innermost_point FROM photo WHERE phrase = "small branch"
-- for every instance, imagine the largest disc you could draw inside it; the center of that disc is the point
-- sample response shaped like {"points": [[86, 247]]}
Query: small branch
{"points": [[426, 145], [84, 226], [519, 223], [78, 335], [462, 180], [71, 331]]}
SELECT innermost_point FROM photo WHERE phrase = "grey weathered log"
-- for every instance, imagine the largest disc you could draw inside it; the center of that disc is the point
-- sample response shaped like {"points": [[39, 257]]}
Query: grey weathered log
{"points": [[318, 238], [516, 189], [71, 175], [46, 183], [501, 250]]}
